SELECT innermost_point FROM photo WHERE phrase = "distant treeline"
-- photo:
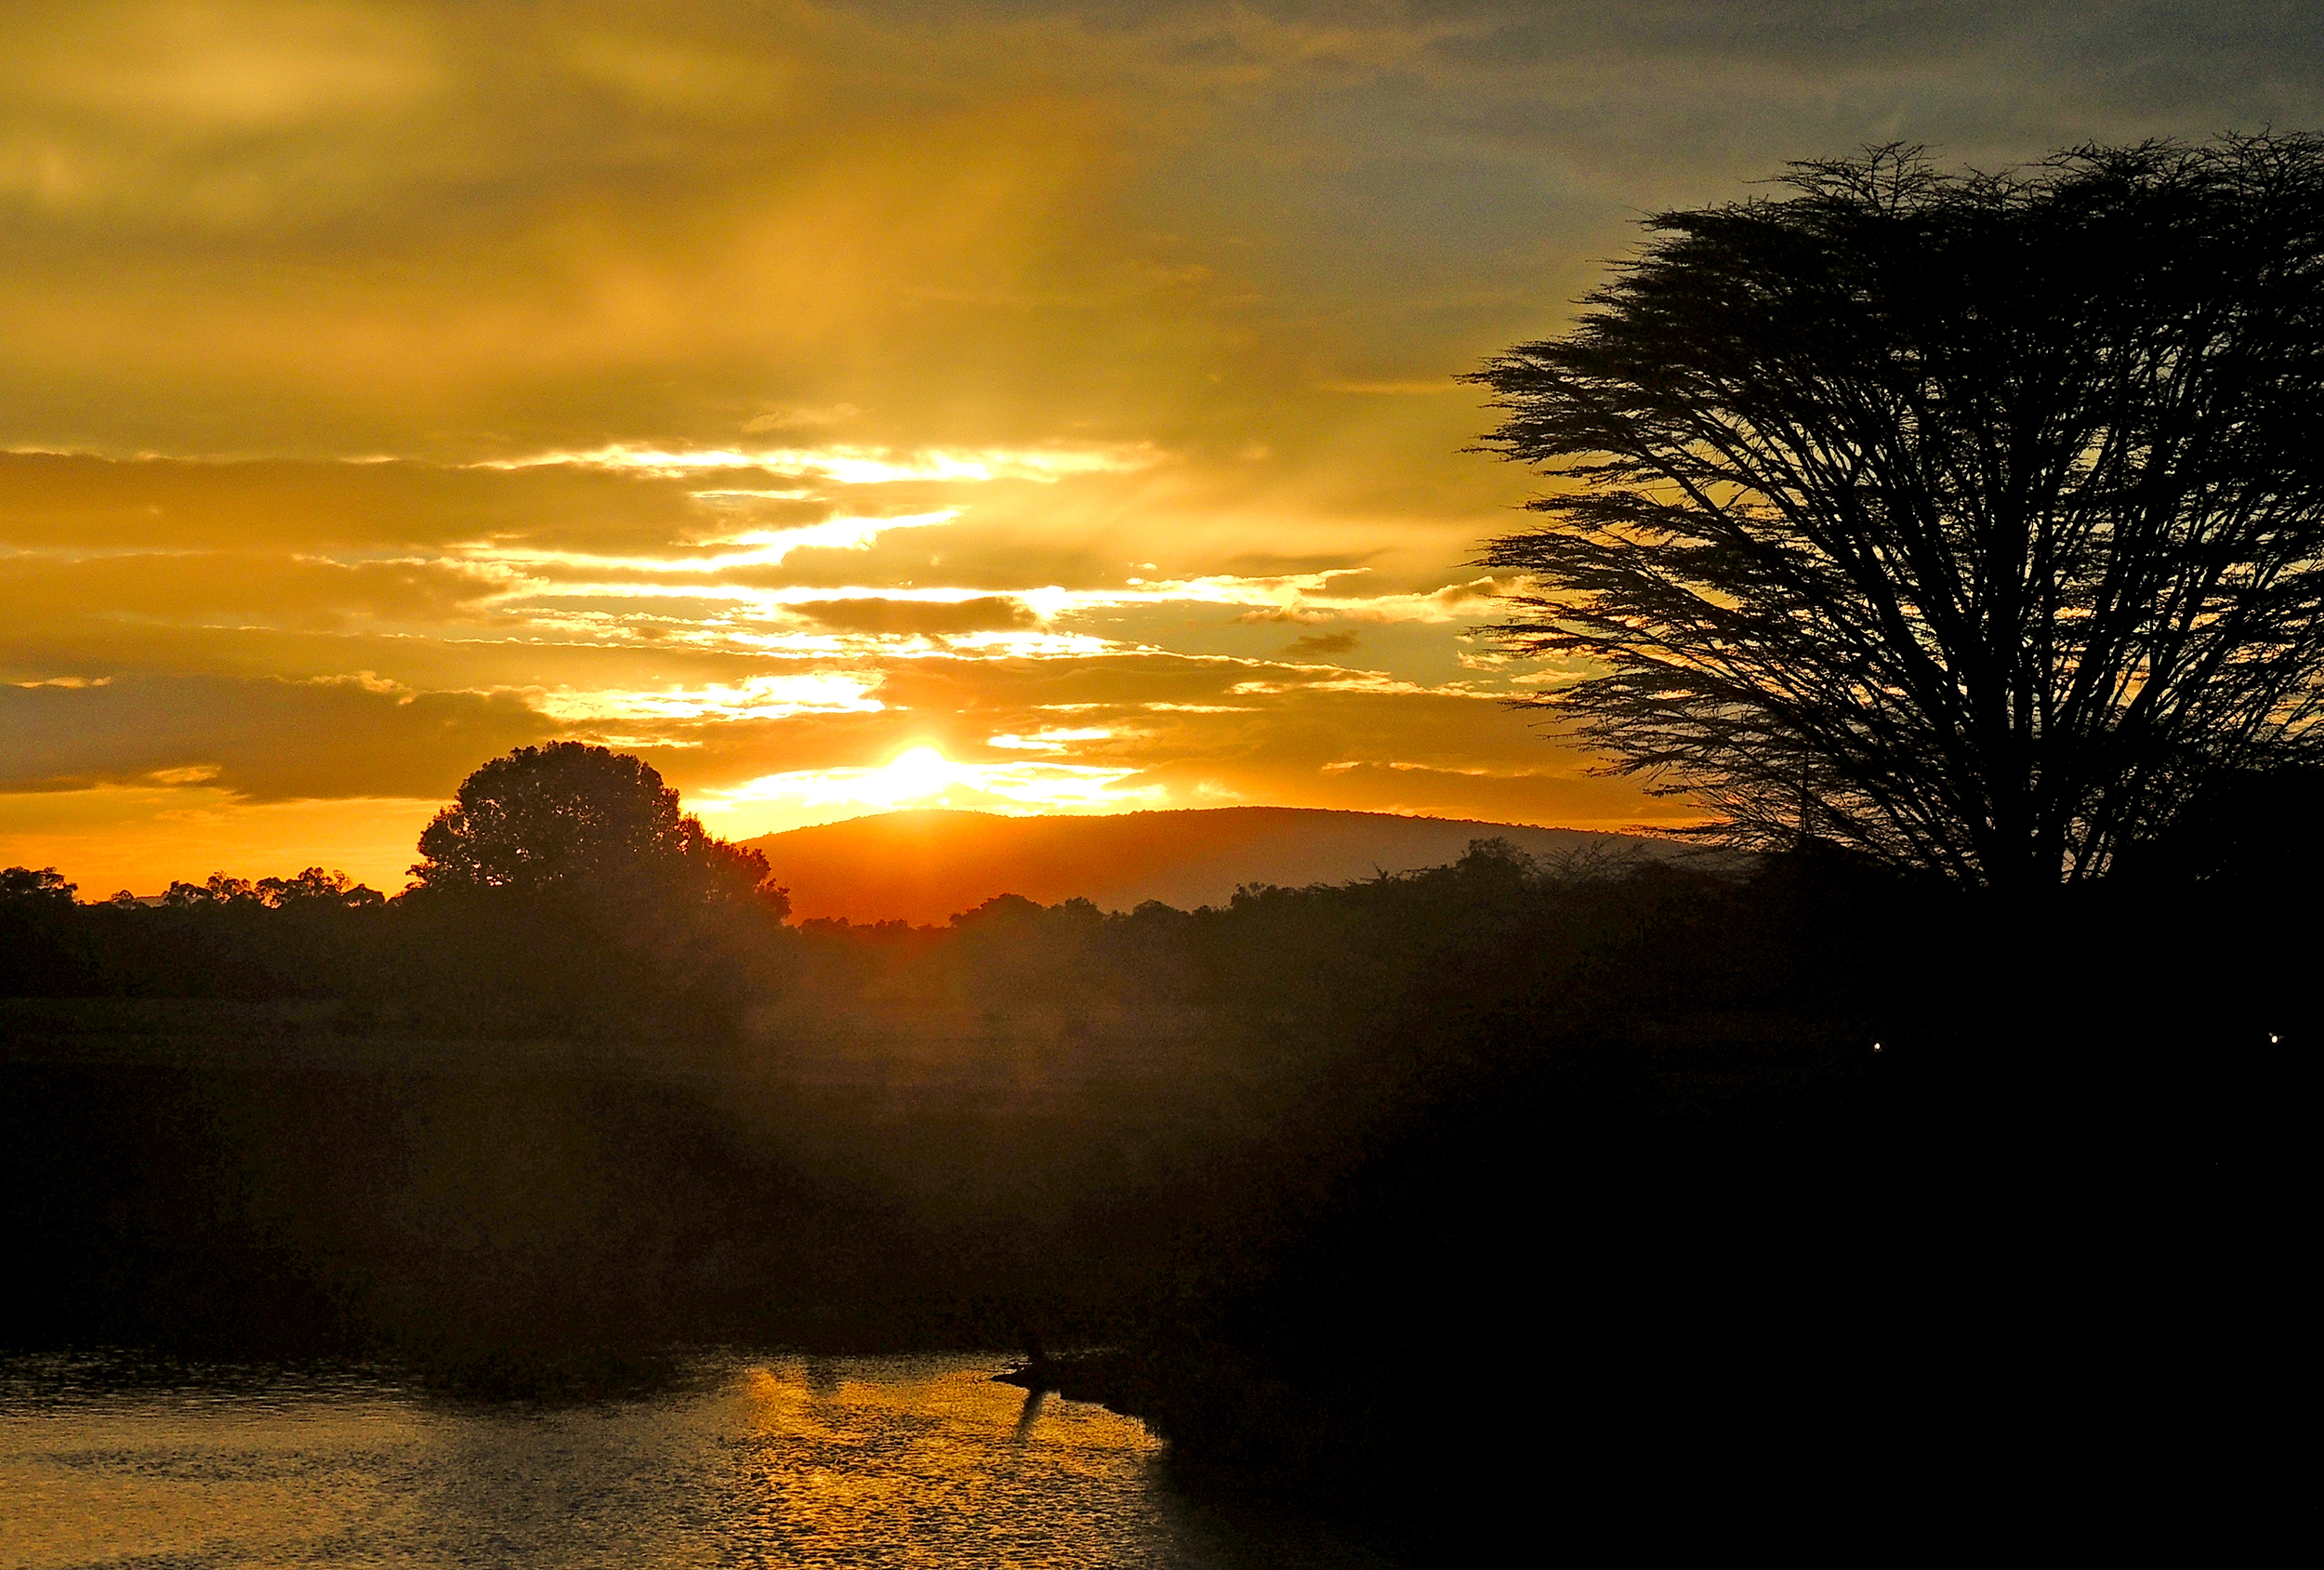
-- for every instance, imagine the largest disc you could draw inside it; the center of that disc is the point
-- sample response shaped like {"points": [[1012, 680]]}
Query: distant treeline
{"points": [[459, 962], [1304, 963]]}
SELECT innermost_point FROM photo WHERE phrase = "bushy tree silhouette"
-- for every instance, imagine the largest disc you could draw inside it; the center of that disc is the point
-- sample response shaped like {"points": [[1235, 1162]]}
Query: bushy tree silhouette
{"points": [[549, 817], [574, 819], [1972, 520], [23, 888]]}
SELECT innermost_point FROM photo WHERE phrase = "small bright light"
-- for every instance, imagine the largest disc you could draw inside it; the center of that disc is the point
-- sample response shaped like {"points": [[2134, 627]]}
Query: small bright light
{"points": [[1876, 1046]]}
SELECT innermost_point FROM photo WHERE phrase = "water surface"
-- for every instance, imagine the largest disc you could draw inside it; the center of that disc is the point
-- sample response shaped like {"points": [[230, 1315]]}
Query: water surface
{"points": [[919, 1461]]}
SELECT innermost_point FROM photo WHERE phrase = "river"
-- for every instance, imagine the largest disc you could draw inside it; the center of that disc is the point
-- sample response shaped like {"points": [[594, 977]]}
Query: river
{"points": [[777, 1459]]}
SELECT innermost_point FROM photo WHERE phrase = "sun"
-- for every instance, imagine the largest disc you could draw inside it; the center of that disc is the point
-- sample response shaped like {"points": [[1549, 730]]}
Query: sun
{"points": [[918, 772], [921, 776]]}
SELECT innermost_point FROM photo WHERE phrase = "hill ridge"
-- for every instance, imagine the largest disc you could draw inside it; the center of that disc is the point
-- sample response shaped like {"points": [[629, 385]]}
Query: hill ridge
{"points": [[924, 865]]}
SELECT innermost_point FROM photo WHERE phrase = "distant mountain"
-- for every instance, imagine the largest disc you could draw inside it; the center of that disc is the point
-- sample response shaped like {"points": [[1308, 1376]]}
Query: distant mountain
{"points": [[929, 865]]}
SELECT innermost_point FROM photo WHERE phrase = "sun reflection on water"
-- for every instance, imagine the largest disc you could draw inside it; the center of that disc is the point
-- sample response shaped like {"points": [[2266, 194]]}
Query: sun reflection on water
{"points": [[914, 1461]]}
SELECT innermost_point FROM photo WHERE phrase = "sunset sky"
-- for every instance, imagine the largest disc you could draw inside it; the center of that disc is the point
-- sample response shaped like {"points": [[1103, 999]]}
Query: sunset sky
{"points": [[844, 407]]}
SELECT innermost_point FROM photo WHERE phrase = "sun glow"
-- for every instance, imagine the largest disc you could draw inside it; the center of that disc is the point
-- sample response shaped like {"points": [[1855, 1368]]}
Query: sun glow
{"points": [[920, 772], [923, 776]]}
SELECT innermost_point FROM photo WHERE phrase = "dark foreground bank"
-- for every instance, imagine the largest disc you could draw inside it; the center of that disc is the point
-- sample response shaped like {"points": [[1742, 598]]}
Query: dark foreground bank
{"points": [[1812, 1153]]}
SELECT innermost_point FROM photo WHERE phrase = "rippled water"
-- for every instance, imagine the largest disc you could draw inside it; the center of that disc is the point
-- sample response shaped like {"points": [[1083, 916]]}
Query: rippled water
{"points": [[782, 1461]]}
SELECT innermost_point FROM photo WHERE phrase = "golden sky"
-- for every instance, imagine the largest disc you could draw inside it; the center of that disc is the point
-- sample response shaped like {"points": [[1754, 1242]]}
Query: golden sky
{"points": [[1020, 406]]}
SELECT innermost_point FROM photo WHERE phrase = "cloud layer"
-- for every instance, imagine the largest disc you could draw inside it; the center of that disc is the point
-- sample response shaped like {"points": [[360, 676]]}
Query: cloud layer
{"points": [[1063, 394]]}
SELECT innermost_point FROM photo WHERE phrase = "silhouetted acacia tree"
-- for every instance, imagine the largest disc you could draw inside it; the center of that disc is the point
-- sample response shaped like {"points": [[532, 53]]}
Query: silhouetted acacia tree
{"points": [[1973, 521], [573, 819]]}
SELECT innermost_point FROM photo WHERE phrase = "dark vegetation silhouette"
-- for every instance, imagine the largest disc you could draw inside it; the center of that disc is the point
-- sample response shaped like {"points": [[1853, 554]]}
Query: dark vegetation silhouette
{"points": [[1325, 1167], [570, 819], [564, 889], [1976, 522]]}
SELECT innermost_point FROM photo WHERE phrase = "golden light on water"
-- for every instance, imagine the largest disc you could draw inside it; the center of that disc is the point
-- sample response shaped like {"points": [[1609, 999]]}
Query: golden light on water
{"points": [[888, 1460]]}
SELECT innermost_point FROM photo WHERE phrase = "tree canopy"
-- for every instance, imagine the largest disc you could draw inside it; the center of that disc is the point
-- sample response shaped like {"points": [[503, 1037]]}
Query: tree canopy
{"points": [[1975, 521], [21, 888], [574, 819]]}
